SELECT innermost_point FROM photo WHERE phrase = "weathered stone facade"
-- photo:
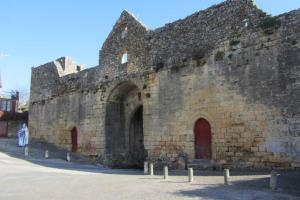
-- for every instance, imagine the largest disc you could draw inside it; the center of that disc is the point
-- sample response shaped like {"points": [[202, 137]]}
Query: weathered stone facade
{"points": [[229, 64]]}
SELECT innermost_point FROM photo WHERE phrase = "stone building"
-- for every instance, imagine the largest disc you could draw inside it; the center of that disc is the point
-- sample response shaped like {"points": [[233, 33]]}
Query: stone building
{"points": [[221, 85]]}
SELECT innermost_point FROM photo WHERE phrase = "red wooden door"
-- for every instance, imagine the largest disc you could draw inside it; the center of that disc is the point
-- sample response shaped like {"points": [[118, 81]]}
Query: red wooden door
{"points": [[3, 128], [74, 136], [202, 139]]}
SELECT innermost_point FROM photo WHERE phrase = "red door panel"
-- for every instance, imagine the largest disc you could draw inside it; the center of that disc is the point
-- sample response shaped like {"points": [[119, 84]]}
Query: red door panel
{"points": [[74, 138], [202, 139]]}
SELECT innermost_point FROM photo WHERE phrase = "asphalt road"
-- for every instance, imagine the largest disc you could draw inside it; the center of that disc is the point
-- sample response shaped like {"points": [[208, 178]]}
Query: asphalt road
{"points": [[40, 179]]}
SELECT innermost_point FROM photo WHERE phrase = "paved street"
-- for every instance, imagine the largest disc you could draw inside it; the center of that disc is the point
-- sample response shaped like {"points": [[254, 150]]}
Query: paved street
{"points": [[56, 179]]}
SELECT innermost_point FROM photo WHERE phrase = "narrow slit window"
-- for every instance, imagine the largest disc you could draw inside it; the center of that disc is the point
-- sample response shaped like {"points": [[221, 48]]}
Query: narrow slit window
{"points": [[124, 58], [124, 32]]}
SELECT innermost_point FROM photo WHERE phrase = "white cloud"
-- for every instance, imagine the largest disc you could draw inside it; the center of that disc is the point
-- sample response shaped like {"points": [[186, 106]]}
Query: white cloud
{"points": [[3, 55]]}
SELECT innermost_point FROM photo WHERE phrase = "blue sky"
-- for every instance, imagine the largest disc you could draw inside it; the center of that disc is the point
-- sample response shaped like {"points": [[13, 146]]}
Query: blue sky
{"points": [[34, 32]]}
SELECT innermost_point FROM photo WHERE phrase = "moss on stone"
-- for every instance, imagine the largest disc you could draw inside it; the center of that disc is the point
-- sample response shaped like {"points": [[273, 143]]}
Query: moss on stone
{"points": [[201, 62], [294, 42], [198, 55], [269, 25], [234, 42], [219, 56], [270, 22], [158, 66]]}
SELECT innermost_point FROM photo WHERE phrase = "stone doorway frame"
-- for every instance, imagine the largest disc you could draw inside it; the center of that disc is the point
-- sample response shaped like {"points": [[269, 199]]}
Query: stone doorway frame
{"points": [[118, 96]]}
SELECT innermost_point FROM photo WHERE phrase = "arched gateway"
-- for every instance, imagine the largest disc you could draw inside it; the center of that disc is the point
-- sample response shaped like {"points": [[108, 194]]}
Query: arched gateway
{"points": [[124, 127]]}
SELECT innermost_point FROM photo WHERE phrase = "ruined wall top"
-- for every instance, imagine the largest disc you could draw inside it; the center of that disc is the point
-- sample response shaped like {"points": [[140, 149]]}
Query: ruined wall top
{"points": [[46, 77], [178, 39], [132, 49], [66, 65]]}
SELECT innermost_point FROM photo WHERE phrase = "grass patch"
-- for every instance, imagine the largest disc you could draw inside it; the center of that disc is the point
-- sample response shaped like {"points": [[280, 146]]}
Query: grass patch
{"points": [[199, 56], [270, 22]]}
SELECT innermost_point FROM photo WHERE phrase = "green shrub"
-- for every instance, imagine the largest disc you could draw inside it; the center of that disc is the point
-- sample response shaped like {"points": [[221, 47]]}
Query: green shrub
{"points": [[198, 55], [219, 56], [177, 64], [159, 66], [270, 22], [234, 42], [201, 62]]}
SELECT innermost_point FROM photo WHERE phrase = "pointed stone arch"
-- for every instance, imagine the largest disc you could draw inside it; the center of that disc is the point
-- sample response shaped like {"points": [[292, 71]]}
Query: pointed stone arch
{"points": [[191, 125], [203, 139], [122, 107]]}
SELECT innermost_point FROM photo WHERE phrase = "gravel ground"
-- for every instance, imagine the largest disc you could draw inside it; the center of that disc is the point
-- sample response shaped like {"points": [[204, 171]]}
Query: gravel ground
{"points": [[38, 178]]}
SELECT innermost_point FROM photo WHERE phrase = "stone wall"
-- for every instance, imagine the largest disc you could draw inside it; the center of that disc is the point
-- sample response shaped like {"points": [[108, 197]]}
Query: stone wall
{"points": [[13, 127], [230, 64]]}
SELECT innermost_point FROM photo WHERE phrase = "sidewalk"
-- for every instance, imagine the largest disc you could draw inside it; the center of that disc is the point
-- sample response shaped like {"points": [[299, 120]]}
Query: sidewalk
{"points": [[37, 150]]}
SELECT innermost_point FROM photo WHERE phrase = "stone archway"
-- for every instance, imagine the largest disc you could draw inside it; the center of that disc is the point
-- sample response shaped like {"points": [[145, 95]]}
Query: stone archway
{"points": [[124, 127]]}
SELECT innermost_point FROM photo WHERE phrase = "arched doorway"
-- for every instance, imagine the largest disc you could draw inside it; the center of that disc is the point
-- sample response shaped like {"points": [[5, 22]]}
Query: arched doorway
{"points": [[136, 139], [202, 133], [74, 139], [124, 127]]}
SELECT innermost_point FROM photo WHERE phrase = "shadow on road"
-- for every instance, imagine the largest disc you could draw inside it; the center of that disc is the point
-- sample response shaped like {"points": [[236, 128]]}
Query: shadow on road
{"points": [[62, 164], [288, 184]]}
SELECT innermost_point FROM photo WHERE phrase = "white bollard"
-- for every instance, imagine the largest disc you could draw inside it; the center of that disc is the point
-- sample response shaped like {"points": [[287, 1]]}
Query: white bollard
{"points": [[226, 177], [46, 154], [68, 157], [146, 168], [26, 151], [191, 175], [273, 180], [151, 169], [166, 172]]}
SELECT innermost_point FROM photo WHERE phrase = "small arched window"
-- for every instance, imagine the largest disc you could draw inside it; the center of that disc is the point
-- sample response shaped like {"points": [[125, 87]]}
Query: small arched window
{"points": [[124, 58], [124, 32]]}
